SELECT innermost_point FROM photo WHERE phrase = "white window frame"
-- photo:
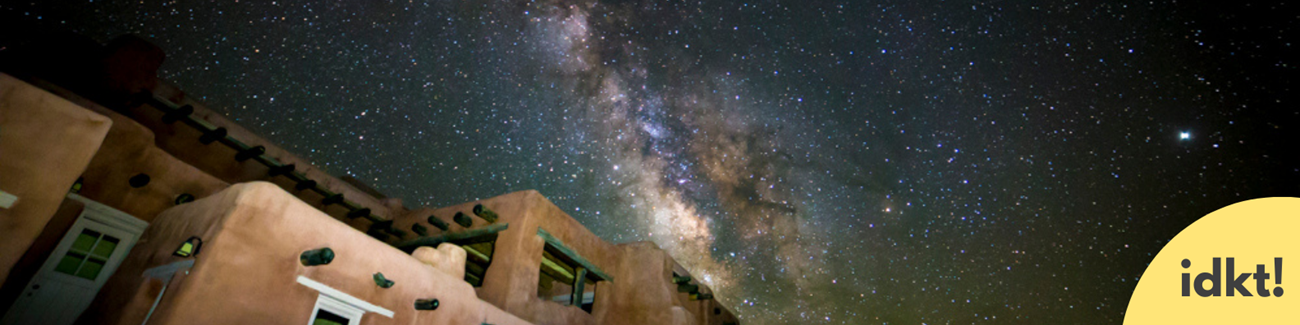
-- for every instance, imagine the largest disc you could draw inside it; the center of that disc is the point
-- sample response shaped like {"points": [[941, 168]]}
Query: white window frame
{"points": [[340, 303], [327, 303]]}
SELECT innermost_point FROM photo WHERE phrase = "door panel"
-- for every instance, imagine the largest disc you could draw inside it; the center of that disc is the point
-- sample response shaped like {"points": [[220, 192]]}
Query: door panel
{"points": [[72, 275]]}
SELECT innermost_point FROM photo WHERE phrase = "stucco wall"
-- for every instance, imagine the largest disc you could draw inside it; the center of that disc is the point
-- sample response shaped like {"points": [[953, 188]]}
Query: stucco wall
{"points": [[511, 280], [111, 75], [639, 294], [704, 311], [246, 270], [642, 299], [128, 149], [45, 143], [177, 163]]}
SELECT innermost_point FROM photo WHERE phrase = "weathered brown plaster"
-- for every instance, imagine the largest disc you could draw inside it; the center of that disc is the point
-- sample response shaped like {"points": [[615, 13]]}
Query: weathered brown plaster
{"points": [[128, 149], [640, 293], [45, 144], [246, 271], [448, 258]]}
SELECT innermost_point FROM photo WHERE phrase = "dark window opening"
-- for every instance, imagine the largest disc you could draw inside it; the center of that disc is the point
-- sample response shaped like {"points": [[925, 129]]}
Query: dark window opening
{"points": [[566, 277], [324, 317], [557, 282], [478, 256]]}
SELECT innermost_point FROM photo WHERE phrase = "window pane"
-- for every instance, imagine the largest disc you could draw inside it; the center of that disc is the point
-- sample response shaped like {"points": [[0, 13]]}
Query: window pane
{"points": [[85, 240], [69, 263], [324, 317], [105, 247], [90, 269]]}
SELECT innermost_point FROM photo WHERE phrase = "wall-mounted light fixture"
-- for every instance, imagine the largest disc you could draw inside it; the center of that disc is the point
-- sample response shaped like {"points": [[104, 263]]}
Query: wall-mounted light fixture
{"points": [[76, 187], [184, 198], [189, 247]]}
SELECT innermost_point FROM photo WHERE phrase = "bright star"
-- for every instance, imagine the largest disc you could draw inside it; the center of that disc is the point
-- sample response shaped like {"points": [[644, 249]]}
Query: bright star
{"points": [[1184, 135]]}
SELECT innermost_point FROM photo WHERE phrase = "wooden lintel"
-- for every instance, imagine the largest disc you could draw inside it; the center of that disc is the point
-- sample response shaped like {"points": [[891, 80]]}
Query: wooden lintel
{"points": [[592, 270]]}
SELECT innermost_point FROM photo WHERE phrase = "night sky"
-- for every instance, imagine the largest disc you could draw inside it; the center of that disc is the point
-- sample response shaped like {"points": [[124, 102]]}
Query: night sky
{"points": [[815, 162]]}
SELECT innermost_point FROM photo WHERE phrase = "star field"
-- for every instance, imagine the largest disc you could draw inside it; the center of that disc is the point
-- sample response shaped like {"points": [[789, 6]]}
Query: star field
{"points": [[815, 162]]}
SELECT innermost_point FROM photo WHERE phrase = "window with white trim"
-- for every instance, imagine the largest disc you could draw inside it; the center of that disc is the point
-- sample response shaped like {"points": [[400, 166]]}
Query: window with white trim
{"points": [[333, 307], [330, 311]]}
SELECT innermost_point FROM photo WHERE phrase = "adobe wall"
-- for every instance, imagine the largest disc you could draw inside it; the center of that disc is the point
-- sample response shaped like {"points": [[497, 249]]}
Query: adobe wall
{"points": [[642, 298], [122, 149], [129, 150], [111, 75], [704, 311], [45, 144], [176, 162], [511, 279], [635, 296], [246, 270]]}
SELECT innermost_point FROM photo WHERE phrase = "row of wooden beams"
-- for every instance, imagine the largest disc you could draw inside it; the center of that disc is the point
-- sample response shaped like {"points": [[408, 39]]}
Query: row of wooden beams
{"points": [[554, 270], [173, 112], [475, 268], [463, 238]]}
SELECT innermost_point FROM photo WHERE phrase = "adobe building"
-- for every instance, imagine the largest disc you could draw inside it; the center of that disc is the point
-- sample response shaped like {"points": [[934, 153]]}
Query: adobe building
{"points": [[124, 201]]}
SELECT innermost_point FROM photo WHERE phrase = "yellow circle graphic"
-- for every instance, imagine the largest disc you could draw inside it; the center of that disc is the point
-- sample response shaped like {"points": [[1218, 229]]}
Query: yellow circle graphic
{"points": [[1229, 267]]}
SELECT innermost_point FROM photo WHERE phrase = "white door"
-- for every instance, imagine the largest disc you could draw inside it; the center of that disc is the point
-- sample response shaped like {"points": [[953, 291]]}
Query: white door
{"points": [[76, 269]]}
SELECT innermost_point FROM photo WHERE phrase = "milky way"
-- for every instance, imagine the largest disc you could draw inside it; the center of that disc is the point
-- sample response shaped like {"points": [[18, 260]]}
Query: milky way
{"points": [[839, 162]]}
